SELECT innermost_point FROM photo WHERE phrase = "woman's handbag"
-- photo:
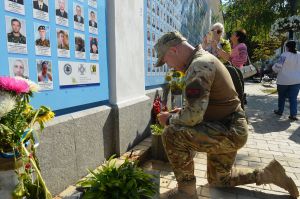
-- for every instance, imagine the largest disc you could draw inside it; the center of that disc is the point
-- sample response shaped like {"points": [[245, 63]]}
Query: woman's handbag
{"points": [[248, 70]]}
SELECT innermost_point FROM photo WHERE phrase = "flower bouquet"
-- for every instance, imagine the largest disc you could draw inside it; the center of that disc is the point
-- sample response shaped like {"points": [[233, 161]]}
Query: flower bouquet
{"points": [[157, 148], [18, 139], [176, 81]]}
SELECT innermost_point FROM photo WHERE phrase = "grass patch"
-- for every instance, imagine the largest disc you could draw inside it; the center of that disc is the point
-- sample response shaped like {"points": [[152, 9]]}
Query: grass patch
{"points": [[270, 90]]}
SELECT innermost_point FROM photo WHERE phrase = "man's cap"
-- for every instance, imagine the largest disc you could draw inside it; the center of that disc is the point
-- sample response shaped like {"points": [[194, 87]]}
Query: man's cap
{"points": [[41, 28], [166, 41]]}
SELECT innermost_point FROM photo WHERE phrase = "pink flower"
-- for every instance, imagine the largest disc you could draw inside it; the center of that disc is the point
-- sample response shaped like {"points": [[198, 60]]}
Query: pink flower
{"points": [[14, 85]]}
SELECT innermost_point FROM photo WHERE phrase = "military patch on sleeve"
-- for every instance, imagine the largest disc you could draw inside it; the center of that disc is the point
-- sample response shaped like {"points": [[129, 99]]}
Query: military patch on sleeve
{"points": [[194, 89]]}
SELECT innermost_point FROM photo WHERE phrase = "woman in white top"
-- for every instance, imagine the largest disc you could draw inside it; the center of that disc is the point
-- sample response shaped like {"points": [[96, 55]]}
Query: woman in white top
{"points": [[288, 79]]}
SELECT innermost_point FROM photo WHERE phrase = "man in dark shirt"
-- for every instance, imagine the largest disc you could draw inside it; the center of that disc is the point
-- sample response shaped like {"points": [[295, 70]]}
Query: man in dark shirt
{"points": [[40, 5], [42, 41], [15, 36], [78, 17], [61, 11], [92, 21], [18, 1]]}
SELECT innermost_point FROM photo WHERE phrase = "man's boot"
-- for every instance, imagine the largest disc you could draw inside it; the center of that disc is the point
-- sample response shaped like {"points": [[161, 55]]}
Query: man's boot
{"points": [[274, 173], [185, 190]]}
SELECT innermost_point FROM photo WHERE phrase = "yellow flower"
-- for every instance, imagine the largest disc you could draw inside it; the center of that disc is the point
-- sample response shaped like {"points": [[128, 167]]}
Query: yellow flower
{"points": [[178, 74], [168, 78], [28, 109], [45, 117]]}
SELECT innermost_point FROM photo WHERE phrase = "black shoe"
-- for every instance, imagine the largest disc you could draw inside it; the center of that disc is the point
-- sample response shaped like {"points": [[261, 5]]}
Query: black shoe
{"points": [[293, 118], [277, 112]]}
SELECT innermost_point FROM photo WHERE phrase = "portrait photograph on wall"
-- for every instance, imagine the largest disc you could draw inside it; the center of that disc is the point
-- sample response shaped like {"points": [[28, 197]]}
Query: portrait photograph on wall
{"points": [[15, 6], [63, 47], [92, 3], [78, 16], [41, 9], [93, 25], [94, 55], [16, 35], [18, 67], [79, 45], [44, 74], [61, 12], [42, 42]]}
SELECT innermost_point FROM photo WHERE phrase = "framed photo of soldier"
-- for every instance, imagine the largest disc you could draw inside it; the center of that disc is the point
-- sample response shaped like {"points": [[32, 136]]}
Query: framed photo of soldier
{"points": [[78, 16], [44, 74], [79, 45], [18, 67], [63, 45], [61, 12], [15, 6], [94, 55], [92, 3], [41, 9], [41, 40], [93, 25], [16, 35]]}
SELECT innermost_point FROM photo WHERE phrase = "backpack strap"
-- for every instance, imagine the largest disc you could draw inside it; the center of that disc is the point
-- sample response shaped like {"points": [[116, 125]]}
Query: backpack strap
{"points": [[238, 81]]}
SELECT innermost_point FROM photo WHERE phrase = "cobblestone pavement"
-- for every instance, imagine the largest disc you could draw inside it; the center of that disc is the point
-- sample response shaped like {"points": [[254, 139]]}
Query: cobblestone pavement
{"points": [[270, 137]]}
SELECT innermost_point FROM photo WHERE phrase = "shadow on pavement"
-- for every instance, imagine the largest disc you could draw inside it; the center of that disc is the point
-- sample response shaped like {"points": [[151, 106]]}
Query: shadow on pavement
{"points": [[236, 192], [296, 136], [260, 115]]}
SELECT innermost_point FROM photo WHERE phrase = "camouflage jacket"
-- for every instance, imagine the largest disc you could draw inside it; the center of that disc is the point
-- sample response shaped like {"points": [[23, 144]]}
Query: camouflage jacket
{"points": [[11, 38], [209, 94], [40, 42]]}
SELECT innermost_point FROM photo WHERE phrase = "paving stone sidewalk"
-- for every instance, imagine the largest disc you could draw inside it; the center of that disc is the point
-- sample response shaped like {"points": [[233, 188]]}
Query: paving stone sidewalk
{"points": [[270, 137]]}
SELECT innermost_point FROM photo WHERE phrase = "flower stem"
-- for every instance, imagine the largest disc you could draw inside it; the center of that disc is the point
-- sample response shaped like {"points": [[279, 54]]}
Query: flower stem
{"points": [[40, 179]]}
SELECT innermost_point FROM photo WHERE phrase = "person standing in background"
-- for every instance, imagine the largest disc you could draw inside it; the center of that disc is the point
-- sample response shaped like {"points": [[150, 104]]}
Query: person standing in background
{"points": [[239, 54], [288, 79], [215, 39]]}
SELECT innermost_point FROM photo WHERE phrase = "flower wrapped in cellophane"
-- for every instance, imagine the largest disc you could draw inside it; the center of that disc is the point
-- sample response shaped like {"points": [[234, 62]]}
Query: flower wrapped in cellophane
{"points": [[175, 81], [18, 138]]}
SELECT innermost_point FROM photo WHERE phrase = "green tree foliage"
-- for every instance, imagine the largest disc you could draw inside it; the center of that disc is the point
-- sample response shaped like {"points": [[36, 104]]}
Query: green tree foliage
{"points": [[256, 17]]}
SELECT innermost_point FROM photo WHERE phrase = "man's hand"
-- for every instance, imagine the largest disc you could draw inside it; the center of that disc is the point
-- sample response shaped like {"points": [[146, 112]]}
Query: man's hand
{"points": [[163, 117]]}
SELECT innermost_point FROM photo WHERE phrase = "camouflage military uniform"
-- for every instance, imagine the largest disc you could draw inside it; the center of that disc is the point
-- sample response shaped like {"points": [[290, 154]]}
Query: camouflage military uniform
{"points": [[212, 121], [11, 38], [192, 129], [40, 42]]}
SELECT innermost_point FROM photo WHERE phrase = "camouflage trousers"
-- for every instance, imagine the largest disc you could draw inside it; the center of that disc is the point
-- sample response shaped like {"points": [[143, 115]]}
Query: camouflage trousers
{"points": [[220, 140]]}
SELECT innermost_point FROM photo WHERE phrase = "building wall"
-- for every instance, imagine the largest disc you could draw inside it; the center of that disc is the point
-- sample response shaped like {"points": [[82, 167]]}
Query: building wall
{"points": [[73, 143]]}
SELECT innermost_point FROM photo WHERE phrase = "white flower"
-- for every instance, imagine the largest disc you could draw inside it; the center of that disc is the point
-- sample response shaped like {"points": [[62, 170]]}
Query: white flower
{"points": [[282, 25], [7, 103], [32, 85]]}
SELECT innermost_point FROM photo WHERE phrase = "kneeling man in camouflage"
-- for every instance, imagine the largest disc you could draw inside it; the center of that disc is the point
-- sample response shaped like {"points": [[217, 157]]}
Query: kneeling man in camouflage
{"points": [[211, 121]]}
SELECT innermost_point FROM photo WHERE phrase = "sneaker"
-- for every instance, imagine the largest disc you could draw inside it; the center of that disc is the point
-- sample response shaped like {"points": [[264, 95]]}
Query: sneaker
{"points": [[277, 112], [293, 118]]}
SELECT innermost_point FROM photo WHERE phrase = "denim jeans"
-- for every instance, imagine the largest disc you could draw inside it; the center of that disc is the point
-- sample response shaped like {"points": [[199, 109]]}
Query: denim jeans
{"points": [[290, 91]]}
